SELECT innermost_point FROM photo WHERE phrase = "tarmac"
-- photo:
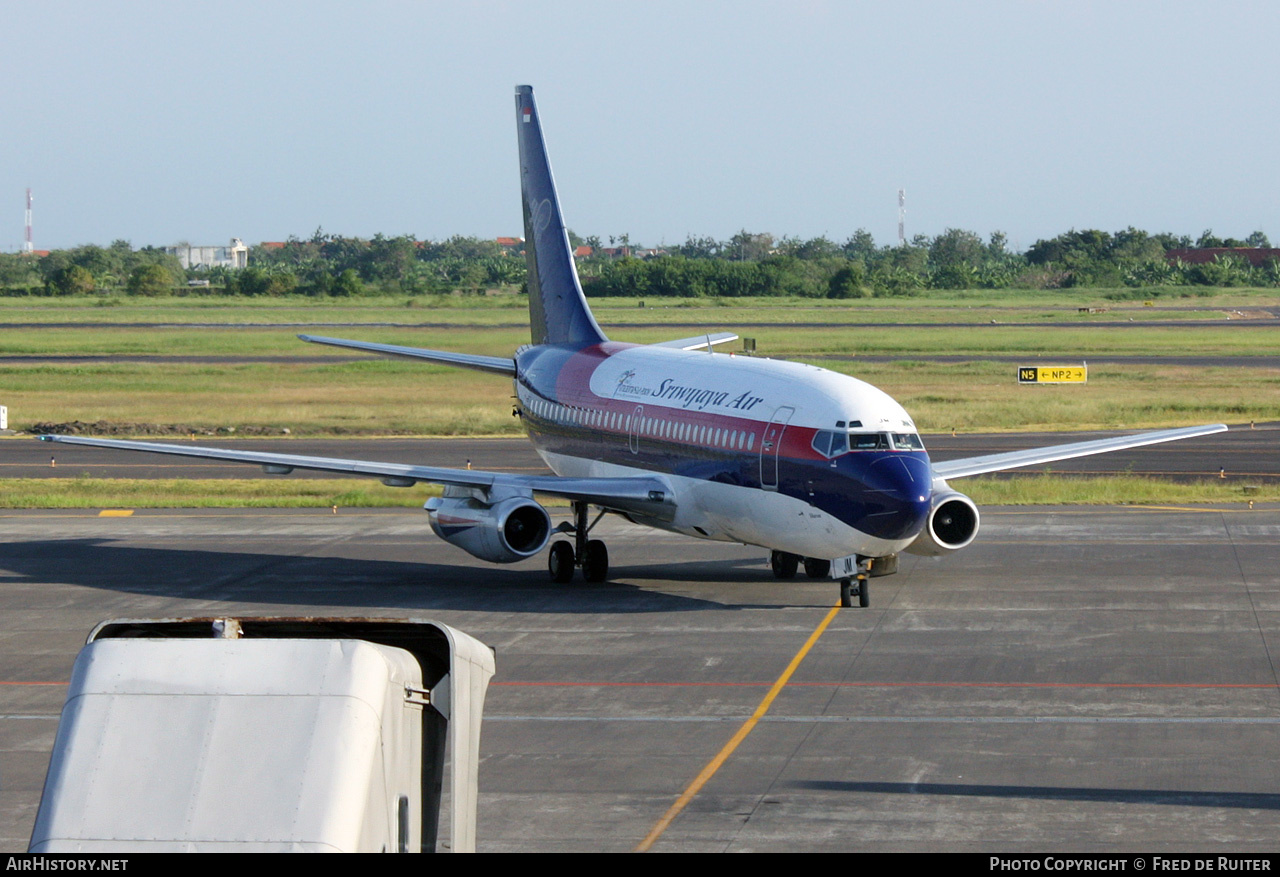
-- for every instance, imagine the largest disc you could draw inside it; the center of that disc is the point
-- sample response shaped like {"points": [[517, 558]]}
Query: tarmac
{"points": [[1079, 679]]}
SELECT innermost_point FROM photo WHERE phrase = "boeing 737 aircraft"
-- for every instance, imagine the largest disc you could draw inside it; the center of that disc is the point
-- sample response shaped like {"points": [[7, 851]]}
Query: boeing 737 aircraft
{"points": [[819, 468]]}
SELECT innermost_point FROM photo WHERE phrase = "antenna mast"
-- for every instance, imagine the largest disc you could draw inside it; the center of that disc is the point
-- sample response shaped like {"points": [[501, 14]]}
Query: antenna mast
{"points": [[902, 217], [27, 246]]}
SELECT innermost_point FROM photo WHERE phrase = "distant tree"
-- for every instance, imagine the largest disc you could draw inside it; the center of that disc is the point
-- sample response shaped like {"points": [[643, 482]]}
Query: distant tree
{"points": [[700, 248], [907, 258], [959, 275], [860, 245], [811, 249], [1084, 246], [503, 270], [71, 280], [251, 281], [17, 270], [849, 282], [459, 247], [955, 247], [748, 247], [346, 284], [1134, 245], [1258, 240], [150, 280], [389, 258], [1208, 239]]}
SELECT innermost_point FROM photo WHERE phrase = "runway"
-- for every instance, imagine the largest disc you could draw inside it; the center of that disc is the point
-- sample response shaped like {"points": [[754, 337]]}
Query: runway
{"points": [[1078, 679]]}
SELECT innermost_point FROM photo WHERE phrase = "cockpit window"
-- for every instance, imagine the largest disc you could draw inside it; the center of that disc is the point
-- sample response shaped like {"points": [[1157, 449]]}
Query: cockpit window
{"points": [[869, 441], [830, 442]]}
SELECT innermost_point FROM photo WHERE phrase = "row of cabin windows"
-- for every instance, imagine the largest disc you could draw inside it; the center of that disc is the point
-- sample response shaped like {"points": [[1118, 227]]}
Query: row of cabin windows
{"points": [[655, 427]]}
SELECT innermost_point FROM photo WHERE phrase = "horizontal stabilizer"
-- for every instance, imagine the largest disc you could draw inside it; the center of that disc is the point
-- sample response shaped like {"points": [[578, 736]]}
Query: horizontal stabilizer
{"points": [[1053, 453], [699, 341], [495, 364]]}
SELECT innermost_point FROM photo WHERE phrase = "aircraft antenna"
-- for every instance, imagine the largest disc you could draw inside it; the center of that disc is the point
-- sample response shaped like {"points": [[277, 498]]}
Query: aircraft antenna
{"points": [[902, 217], [27, 246]]}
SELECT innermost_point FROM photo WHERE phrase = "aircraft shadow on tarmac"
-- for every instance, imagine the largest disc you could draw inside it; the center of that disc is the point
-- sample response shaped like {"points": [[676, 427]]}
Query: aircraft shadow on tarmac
{"points": [[1242, 800], [201, 575]]}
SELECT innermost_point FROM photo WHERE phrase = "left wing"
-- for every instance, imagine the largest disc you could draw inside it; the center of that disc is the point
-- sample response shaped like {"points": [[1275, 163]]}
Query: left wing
{"points": [[1034, 456], [697, 342], [646, 495], [492, 364]]}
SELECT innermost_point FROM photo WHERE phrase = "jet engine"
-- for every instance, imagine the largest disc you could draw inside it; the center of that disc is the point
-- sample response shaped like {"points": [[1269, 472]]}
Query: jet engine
{"points": [[501, 532], [951, 525]]}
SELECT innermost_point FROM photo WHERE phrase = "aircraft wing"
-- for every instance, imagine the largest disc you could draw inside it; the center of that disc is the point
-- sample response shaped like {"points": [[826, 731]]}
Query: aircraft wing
{"points": [[1035, 456], [494, 364], [699, 341], [650, 496]]}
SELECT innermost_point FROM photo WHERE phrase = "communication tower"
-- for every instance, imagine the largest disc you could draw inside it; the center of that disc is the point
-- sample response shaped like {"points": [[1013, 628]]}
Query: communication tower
{"points": [[902, 217], [27, 246]]}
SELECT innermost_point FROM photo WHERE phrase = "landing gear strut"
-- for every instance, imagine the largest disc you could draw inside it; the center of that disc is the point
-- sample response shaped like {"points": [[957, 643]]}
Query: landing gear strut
{"points": [[590, 554], [862, 587]]}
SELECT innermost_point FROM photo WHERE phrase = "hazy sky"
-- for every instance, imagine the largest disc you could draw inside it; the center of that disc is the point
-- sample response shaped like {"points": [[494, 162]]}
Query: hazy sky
{"points": [[160, 122]]}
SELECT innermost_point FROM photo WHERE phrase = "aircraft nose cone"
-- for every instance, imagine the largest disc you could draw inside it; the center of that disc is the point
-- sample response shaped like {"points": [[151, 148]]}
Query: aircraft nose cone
{"points": [[905, 487]]}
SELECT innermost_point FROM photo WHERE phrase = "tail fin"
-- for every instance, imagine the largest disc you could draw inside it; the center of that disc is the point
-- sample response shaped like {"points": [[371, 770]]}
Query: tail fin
{"points": [[558, 312]]}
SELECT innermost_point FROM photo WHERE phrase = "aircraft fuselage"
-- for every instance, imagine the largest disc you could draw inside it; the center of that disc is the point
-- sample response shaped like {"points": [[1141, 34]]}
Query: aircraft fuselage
{"points": [[772, 453]]}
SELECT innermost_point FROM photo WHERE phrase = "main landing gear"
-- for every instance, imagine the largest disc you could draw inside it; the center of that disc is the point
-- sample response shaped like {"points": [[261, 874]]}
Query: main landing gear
{"points": [[590, 554], [785, 565]]}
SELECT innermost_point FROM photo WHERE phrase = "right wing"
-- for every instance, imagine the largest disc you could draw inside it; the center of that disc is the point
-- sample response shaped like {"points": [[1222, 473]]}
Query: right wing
{"points": [[645, 495], [1053, 453], [493, 364]]}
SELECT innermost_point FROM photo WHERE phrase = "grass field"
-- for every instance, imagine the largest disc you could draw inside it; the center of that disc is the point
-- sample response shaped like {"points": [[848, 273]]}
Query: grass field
{"points": [[970, 305], [395, 397]]}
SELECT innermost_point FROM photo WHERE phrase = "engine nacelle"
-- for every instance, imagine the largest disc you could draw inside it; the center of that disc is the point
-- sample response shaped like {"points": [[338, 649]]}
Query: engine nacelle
{"points": [[504, 532], [951, 525]]}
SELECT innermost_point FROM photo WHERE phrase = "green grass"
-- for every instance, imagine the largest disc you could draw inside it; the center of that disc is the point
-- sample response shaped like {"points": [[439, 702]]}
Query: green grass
{"points": [[391, 397], [1115, 490], [99, 493], [396, 397], [929, 305]]}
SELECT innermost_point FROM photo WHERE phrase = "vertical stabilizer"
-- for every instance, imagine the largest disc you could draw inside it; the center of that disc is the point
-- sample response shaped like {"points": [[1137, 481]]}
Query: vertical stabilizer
{"points": [[558, 312]]}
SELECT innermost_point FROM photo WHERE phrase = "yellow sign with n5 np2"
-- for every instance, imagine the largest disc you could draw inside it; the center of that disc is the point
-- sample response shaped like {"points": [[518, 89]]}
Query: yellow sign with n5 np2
{"points": [[1053, 374]]}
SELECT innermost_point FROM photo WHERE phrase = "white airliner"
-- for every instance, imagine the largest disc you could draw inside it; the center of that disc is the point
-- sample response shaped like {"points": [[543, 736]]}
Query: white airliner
{"points": [[818, 467]]}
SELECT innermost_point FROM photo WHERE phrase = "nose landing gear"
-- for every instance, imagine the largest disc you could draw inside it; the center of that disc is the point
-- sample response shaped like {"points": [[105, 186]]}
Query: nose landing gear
{"points": [[863, 590], [785, 565]]}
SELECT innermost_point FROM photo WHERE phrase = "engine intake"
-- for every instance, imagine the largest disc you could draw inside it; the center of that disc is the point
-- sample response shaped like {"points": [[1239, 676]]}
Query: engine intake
{"points": [[952, 524], [503, 532]]}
